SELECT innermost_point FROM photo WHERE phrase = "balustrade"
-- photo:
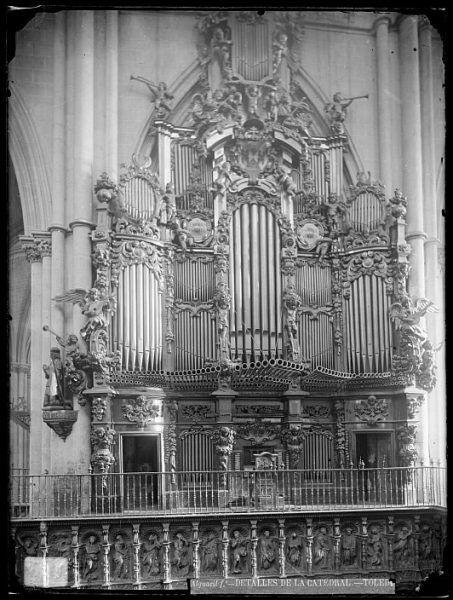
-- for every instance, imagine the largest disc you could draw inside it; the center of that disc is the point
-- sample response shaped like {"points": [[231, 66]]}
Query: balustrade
{"points": [[214, 492]]}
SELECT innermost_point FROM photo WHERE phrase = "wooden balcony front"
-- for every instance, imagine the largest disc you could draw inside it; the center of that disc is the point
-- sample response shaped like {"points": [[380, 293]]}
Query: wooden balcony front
{"points": [[225, 492]]}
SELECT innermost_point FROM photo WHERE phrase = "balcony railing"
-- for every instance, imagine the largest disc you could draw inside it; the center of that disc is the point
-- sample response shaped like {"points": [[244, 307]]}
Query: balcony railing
{"points": [[211, 492]]}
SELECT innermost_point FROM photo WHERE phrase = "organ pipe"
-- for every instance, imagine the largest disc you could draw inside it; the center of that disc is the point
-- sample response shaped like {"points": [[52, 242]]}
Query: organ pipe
{"points": [[139, 198], [367, 331]]}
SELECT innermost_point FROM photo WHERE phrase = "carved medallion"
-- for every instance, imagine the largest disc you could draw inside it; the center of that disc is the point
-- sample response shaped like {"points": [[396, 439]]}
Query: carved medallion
{"points": [[198, 229], [309, 233]]}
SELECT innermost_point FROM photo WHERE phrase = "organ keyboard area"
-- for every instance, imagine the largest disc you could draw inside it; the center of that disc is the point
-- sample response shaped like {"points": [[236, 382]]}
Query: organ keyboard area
{"points": [[247, 267]]}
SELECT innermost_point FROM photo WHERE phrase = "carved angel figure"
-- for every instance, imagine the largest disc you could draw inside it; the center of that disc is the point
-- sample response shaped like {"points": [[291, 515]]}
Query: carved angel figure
{"points": [[280, 48], [94, 305], [336, 110], [407, 313], [161, 97]]}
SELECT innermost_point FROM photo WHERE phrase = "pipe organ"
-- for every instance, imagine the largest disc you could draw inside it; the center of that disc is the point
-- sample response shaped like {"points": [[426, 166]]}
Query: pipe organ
{"points": [[257, 276], [255, 284]]}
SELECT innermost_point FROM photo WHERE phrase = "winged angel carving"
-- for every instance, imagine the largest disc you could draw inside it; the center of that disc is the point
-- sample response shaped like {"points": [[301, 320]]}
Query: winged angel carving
{"points": [[406, 314], [415, 350], [94, 305]]}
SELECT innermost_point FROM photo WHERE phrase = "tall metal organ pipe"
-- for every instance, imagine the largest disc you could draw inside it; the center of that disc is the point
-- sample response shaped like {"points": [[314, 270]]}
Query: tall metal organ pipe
{"points": [[255, 284], [138, 323]]}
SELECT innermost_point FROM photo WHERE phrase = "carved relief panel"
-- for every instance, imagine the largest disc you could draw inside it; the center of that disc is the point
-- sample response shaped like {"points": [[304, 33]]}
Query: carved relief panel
{"points": [[210, 551], [151, 553], [181, 550], [295, 549]]}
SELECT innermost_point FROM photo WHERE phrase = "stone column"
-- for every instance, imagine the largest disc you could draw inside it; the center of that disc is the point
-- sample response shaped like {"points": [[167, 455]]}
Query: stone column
{"points": [[429, 172], [78, 210], [111, 93], [47, 341], [383, 91], [434, 321], [57, 228], [412, 149], [33, 255]]}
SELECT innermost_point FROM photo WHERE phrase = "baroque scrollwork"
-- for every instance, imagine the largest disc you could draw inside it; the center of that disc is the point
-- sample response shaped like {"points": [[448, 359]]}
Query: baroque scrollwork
{"points": [[406, 435], [293, 437], [224, 438], [372, 409], [102, 441], [141, 410], [415, 353], [292, 303], [258, 432]]}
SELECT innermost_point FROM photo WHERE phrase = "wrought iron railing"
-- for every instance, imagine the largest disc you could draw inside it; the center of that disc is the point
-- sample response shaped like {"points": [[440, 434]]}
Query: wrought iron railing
{"points": [[202, 492]]}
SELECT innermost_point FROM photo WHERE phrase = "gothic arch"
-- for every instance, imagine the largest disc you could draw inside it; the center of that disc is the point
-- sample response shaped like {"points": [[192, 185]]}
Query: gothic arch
{"points": [[29, 164]]}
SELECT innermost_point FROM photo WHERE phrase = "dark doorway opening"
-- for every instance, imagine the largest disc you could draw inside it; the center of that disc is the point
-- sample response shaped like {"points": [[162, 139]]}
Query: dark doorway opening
{"points": [[374, 449], [140, 469], [374, 455]]}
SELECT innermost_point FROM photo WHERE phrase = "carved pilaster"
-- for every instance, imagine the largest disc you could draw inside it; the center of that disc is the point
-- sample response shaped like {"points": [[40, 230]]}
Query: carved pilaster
{"points": [[75, 552], [309, 553], [98, 407], [406, 436], [390, 537], [169, 306], [341, 438], [293, 438], [102, 440], [136, 548], [224, 438], [196, 549], [105, 556], [363, 542], [254, 543], [171, 407], [281, 548], [336, 543], [43, 547], [416, 532], [225, 548], [291, 303], [166, 544]]}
